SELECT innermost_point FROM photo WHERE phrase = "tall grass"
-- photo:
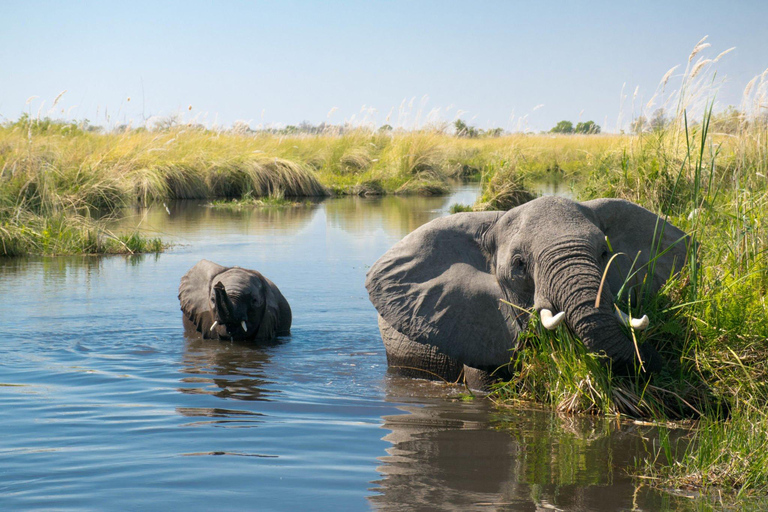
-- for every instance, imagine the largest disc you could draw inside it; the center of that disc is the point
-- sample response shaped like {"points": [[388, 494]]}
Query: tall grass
{"points": [[58, 170], [61, 169], [709, 323]]}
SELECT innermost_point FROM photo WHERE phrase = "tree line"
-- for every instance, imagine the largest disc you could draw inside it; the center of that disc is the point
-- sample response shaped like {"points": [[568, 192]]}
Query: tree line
{"points": [[587, 128]]}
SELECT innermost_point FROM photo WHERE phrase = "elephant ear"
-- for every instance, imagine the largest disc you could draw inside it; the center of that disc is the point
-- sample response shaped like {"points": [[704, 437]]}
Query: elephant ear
{"points": [[283, 310], [194, 293], [435, 286], [660, 247], [271, 312]]}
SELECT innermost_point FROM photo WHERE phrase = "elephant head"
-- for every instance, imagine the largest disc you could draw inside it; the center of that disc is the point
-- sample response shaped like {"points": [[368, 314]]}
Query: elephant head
{"points": [[438, 290], [233, 303]]}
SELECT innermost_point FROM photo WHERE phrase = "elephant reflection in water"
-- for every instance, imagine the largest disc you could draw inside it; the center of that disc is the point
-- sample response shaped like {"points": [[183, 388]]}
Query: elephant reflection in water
{"points": [[457, 456], [225, 370]]}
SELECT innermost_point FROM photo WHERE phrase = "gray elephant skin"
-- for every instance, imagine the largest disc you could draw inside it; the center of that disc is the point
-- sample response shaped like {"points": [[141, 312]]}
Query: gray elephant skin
{"points": [[233, 303], [438, 290]]}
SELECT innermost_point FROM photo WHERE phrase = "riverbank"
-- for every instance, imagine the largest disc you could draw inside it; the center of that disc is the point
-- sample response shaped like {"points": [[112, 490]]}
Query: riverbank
{"points": [[55, 169], [708, 323], [63, 171]]}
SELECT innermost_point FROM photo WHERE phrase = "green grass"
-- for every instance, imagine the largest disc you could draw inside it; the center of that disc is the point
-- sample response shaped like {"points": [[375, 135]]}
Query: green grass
{"points": [[27, 233], [727, 456], [248, 201], [709, 324], [60, 173], [458, 208]]}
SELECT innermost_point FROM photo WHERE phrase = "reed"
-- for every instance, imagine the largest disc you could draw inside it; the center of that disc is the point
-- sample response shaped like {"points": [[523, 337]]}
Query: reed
{"points": [[708, 177]]}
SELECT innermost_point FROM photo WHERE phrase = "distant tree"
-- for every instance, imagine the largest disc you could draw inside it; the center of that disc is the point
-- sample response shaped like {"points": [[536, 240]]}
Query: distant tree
{"points": [[167, 122], [589, 128], [659, 120], [463, 130], [241, 127], [730, 120], [493, 132], [639, 125], [563, 127], [386, 128]]}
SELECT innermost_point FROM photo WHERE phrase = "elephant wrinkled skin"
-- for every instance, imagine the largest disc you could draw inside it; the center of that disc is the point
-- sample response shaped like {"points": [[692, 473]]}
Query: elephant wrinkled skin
{"points": [[438, 290], [233, 303]]}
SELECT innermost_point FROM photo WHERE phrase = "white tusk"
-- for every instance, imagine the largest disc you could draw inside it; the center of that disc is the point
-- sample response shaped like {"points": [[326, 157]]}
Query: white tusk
{"points": [[551, 322], [245, 327], [639, 324], [215, 323]]}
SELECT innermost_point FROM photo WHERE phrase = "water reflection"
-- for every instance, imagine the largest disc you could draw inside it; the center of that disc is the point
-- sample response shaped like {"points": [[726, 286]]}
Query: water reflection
{"points": [[555, 185], [455, 456], [227, 370], [51, 270], [194, 217], [397, 215]]}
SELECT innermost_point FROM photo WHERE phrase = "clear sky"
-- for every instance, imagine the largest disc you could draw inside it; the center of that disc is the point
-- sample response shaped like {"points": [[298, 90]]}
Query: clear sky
{"points": [[288, 61]]}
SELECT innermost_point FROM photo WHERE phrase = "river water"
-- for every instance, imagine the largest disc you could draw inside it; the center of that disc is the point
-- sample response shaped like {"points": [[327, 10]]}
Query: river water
{"points": [[105, 403]]}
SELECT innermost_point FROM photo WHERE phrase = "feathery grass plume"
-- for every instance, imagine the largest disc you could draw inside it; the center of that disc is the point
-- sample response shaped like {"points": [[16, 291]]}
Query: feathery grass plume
{"points": [[699, 66], [749, 87], [56, 100], [723, 54], [699, 46], [667, 75]]}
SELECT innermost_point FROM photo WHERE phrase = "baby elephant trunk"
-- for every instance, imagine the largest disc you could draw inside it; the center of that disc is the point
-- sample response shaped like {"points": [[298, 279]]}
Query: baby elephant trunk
{"points": [[224, 307]]}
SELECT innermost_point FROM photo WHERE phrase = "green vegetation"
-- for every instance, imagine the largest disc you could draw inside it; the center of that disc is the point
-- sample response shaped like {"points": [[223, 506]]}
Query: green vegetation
{"points": [[562, 127], [589, 127], [459, 208], [24, 232], [464, 130], [59, 181], [586, 128], [248, 201], [81, 175], [709, 323]]}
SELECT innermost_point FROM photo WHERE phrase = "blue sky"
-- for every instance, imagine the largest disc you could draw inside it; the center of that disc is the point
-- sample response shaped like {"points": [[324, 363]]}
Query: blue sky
{"points": [[289, 61]]}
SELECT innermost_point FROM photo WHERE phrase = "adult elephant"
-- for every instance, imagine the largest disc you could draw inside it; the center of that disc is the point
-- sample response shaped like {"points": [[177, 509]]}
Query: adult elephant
{"points": [[233, 303], [437, 291]]}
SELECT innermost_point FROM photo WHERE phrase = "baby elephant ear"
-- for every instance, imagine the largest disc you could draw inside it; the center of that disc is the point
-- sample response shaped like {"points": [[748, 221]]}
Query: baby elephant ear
{"points": [[435, 286], [269, 320], [194, 292], [660, 247]]}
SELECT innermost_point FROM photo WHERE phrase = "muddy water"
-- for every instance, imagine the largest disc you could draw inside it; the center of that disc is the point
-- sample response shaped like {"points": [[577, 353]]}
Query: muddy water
{"points": [[105, 403]]}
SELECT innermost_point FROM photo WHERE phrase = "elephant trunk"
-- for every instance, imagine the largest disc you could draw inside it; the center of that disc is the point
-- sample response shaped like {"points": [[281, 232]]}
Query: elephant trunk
{"points": [[574, 278], [224, 306]]}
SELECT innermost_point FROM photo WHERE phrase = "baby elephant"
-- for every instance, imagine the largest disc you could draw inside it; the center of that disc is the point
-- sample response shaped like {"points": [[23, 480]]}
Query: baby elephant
{"points": [[233, 303]]}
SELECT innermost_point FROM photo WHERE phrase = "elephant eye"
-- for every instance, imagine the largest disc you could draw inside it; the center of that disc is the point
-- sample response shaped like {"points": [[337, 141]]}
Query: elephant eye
{"points": [[518, 262]]}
